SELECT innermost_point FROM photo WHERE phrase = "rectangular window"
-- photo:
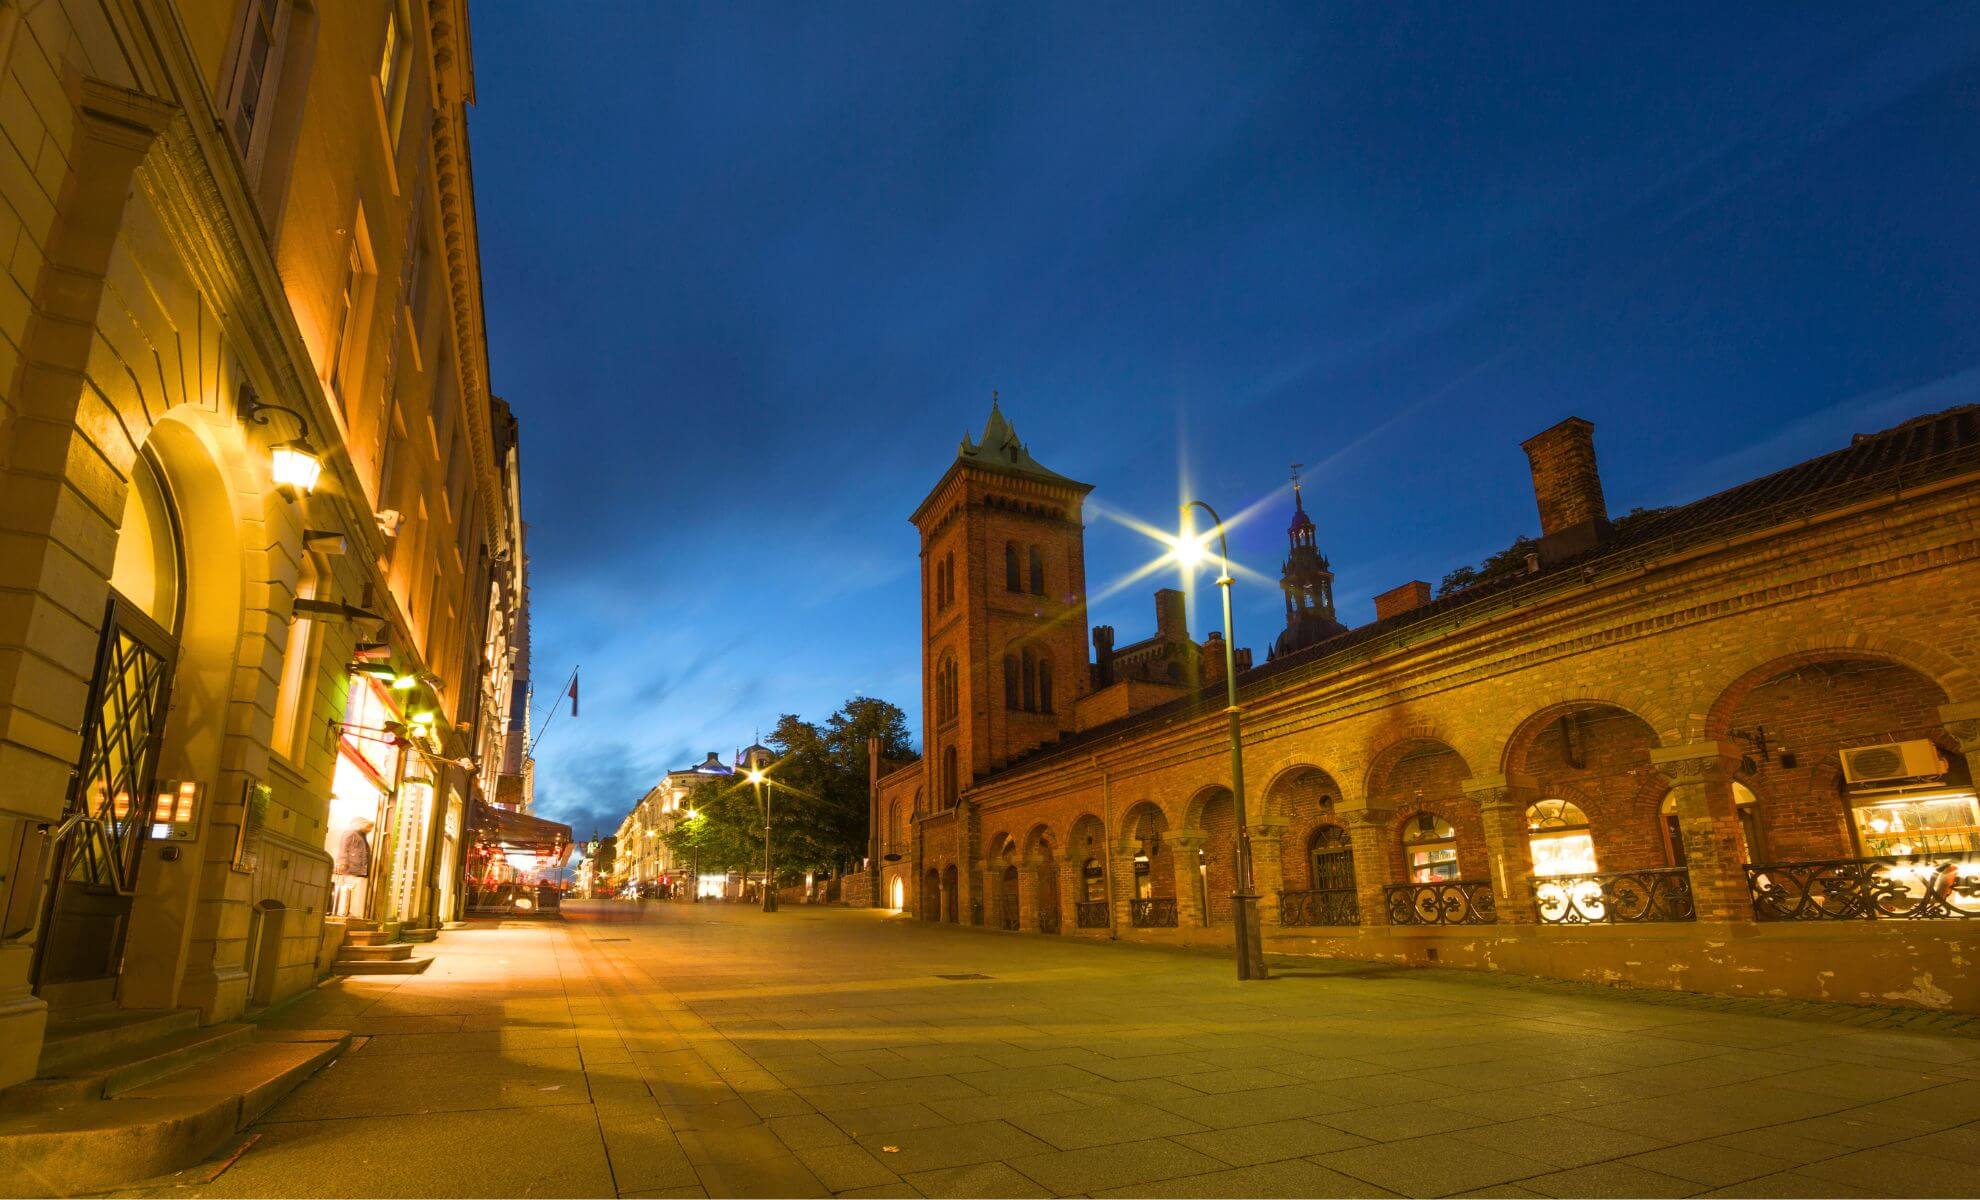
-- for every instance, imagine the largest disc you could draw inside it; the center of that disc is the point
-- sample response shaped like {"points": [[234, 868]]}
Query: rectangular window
{"points": [[251, 83], [351, 315], [1919, 825]]}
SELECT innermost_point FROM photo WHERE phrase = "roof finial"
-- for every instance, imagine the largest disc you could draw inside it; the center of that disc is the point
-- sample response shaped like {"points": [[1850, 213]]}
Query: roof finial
{"points": [[1297, 505]]}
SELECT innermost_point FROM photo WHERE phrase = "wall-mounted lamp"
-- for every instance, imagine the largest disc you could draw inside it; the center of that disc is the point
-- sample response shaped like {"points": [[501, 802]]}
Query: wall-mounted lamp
{"points": [[295, 464], [333, 610]]}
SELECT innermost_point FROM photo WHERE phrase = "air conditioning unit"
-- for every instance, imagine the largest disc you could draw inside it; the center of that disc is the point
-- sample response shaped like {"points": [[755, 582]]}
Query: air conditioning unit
{"points": [[1888, 761]]}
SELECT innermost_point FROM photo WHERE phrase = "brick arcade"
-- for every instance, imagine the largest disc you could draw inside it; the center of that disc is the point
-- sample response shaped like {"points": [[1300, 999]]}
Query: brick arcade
{"points": [[1714, 748]]}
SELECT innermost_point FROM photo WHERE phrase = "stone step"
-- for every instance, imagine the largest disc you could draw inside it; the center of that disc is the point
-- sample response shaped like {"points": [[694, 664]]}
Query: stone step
{"points": [[99, 1032], [390, 953], [125, 1068], [402, 966], [161, 1126], [358, 923], [419, 935], [365, 937]]}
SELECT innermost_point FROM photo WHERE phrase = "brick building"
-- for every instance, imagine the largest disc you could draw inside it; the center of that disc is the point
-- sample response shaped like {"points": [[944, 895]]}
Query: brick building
{"points": [[1717, 747]]}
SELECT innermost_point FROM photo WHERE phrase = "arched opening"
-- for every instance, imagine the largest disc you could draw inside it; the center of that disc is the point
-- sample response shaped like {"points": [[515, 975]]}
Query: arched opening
{"points": [[1013, 697], [1152, 886], [1216, 858], [1007, 897], [1302, 800], [931, 895], [1030, 680], [951, 902], [897, 894], [1595, 758], [1044, 684], [949, 792], [1012, 580], [1330, 859], [1752, 834], [1037, 572]]}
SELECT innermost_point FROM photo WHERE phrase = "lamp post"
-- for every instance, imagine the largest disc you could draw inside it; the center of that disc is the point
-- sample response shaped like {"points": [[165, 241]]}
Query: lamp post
{"points": [[757, 780], [1244, 901]]}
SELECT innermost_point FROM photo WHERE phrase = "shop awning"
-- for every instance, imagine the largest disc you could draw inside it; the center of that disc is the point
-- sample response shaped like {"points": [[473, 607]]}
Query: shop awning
{"points": [[512, 830]]}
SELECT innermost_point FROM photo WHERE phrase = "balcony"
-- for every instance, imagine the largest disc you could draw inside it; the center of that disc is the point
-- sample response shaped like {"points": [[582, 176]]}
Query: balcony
{"points": [[1322, 906], [1152, 913], [1615, 897], [1446, 902], [1945, 888]]}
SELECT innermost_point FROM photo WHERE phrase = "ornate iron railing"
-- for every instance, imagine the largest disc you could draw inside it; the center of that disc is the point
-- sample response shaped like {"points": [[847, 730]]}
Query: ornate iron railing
{"points": [[1048, 919], [1321, 906], [1090, 914], [1867, 889], [1450, 902], [1615, 897], [1157, 913]]}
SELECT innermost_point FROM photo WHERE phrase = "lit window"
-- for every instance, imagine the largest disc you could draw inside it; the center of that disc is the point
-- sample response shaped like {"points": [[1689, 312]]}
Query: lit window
{"points": [[1558, 833], [1431, 846], [1918, 825]]}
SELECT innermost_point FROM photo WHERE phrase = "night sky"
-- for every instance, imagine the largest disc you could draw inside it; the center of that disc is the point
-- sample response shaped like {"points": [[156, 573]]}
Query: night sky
{"points": [[752, 270]]}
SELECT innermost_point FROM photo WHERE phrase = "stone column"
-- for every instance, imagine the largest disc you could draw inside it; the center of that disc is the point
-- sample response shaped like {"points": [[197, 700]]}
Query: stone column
{"points": [[1701, 783], [1267, 871], [1123, 883], [1374, 860], [59, 501], [1502, 803], [1027, 886], [1183, 848], [969, 884]]}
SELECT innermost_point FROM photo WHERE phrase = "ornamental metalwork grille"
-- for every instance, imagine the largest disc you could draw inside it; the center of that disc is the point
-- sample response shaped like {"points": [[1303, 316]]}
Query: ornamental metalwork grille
{"points": [[1867, 889], [1090, 914], [1048, 919], [1448, 902], [1615, 897], [1332, 860], [1153, 913], [1321, 906], [121, 731]]}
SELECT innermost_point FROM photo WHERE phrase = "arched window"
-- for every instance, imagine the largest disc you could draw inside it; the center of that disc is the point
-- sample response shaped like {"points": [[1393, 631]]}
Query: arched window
{"points": [[892, 828], [1430, 845], [949, 578], [1044, 684], [949, 793], [1332, 858], [1030, 682], [1011, 683], [1557, 832], [1094, 876], [1037, 572], [1012, 583]]}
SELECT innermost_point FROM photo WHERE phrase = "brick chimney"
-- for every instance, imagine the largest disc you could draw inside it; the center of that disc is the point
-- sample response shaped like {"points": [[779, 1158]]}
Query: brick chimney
{"points": [[1103, 656], [1171, 616], [1568, 489], [1414, 594]]}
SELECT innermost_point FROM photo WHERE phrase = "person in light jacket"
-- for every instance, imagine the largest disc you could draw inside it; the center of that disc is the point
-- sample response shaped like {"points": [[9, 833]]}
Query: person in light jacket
{"points": [[351, 870]]}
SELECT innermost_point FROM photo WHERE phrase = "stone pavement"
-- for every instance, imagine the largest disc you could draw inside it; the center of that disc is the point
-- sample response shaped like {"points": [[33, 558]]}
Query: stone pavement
{"points": [[717, 1050]]}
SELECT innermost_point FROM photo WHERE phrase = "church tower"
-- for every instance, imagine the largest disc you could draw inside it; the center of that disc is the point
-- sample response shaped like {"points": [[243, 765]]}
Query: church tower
{"points": [[1308, 585], [1003, 609]]}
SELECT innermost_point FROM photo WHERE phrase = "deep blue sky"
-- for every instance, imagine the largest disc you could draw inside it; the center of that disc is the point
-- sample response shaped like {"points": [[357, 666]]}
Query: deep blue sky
{"points": [[753, 269]]}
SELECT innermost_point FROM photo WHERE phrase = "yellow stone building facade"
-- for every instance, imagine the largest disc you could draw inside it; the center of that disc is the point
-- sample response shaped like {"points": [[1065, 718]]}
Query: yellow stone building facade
{"points": [[236, 230]]}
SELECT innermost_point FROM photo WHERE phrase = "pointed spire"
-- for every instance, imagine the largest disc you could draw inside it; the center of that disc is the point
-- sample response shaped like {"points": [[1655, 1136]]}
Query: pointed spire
{"points": [[1300, 519], [1000, 447]]}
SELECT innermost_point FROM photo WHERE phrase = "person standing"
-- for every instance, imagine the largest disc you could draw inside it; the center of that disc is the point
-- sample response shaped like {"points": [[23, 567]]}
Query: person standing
{"points": [[351, 870]]}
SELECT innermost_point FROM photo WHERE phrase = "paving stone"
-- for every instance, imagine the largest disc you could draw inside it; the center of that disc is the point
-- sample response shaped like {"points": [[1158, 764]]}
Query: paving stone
{"points": [[1396, 1122], [1293, 1178], [1559, 1140], [992, 1179], [1431, 1166], [1104, 1124], [843, 1168], [1066, 1172], [1708, 1163], [1882, 1167], [1272, 1141], [938, 1146], [1609, 1179]]}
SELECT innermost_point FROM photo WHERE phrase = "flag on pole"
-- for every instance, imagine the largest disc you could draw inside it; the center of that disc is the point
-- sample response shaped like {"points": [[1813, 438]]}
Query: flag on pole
{"points": [[573, 693]]}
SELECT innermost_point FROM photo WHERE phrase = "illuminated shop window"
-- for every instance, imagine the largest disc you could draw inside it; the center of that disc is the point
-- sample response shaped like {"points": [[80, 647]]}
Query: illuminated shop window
{"points": [[1936, 823], [1144, 882], [1095, 878], [1430, 844], [1558, 834]]}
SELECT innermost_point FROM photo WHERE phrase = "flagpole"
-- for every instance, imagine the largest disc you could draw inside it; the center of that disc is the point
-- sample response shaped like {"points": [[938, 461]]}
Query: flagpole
{"points": [[545, 728]]}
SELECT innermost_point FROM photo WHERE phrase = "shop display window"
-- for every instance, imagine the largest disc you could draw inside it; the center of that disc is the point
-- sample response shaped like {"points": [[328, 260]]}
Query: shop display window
{"points": [[1557, 832], [1431, 846], [1944, 823]]}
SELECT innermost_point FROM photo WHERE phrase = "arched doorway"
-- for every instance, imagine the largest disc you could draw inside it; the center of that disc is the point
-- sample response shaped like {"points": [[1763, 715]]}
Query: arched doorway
{"points": [[897, 894], [111, 804], [1008, 897]]}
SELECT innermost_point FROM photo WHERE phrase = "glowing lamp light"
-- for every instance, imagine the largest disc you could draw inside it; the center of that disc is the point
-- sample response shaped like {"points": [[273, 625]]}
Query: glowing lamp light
{"points": [[755, 775], [296, 467], [406, 683], [424, 717], [1189, 550]]}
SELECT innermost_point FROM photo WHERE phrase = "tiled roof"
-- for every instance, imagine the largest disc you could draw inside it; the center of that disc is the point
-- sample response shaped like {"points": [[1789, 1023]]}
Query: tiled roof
{"points": [[1923, 449]]}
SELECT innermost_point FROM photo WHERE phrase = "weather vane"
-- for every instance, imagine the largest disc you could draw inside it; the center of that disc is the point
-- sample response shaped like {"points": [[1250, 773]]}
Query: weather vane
{"points": [[1295, 475]]}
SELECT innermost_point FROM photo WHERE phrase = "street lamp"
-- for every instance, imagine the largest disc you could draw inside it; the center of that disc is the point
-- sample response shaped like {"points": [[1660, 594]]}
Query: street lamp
{"points": [[1190, 550], [758, 779], [295, 464]]}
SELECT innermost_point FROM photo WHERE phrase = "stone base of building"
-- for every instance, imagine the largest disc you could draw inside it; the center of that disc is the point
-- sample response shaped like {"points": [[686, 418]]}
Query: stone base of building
{"points": [[1886, 964]]}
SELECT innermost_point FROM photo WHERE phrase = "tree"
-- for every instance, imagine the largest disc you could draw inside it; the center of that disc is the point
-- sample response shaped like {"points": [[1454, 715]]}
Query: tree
{"points": [[1512, 559]]}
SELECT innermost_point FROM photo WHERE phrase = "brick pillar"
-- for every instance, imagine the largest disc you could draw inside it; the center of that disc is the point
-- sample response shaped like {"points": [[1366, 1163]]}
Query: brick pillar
{"points": [[969, 882], [1072, 889], [1701, 783], [1189, 886], [1502, 803], [1027, 886], [1123, 882], [1374, 860], [1267, 872]]}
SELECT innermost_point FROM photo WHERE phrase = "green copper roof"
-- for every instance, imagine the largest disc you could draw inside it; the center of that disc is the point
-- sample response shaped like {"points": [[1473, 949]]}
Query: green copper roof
{"points": [[999, 449]]}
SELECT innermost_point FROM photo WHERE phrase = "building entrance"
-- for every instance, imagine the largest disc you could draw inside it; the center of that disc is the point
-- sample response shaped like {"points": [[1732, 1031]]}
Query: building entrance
{"points": [[101, 838]]}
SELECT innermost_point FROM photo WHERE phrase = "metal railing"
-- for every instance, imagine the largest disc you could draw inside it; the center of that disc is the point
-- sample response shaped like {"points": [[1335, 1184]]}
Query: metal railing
{"points": [[1944, 888], [1156, 913], [1090, 914], [1448, 902], [1048, 919], [1320, 906], [1615, 897]]}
